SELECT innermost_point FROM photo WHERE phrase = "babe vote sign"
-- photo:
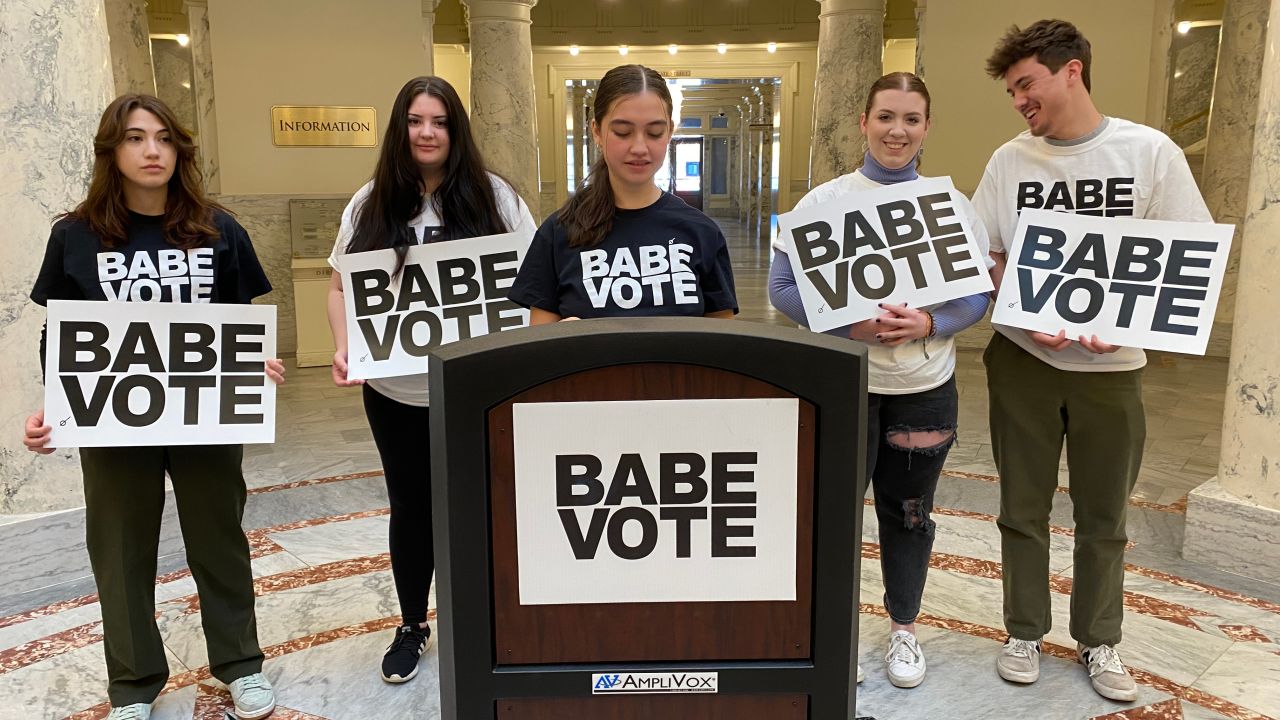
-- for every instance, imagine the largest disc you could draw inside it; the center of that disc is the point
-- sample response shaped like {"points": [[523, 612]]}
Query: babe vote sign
{"points": [[656, 501], [152, 373], [904, 243], [445, 292], [1151, 284]]}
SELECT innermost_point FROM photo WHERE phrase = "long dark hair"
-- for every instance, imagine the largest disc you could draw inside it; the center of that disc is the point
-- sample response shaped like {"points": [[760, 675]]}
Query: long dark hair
{"points": [[588, 215], [188, 214], [464, 201]]}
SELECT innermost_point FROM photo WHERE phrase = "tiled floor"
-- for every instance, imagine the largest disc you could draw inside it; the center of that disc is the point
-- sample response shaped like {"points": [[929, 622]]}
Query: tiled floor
{"points": [[1204, 644]]}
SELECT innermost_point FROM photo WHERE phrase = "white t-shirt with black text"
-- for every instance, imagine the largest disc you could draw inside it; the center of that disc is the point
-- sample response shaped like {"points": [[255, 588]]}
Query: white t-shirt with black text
{"points": [[1127, 170]]}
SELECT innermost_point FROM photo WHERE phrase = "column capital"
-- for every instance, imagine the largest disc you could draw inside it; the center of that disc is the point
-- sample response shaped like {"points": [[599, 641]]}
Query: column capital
{"points": [[429, 6], [187, 4], [850, 7], [514, 10]]}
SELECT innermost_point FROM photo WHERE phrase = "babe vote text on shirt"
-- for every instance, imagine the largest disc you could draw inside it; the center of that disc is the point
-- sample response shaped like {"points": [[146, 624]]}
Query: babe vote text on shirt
{"points": [[168, 275], [649, 275]]}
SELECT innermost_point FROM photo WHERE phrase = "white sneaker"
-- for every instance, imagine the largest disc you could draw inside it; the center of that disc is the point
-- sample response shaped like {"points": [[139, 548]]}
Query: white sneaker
{"points": [[1107, 673], [1019, 661], [136, 711], [861, 675], [253, 697], [905, 660]]}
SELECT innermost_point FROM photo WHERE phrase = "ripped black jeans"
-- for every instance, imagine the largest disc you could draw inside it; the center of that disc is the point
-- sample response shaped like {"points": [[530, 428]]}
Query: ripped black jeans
{"points": [[908, 437]]}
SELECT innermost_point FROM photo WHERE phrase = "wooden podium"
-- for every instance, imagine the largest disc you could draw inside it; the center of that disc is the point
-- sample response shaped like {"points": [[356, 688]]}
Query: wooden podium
{"points": [[628, 660]]}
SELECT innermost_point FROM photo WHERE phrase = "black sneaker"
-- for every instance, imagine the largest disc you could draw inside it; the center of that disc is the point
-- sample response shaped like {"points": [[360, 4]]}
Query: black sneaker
{"points": [[400, 663]]}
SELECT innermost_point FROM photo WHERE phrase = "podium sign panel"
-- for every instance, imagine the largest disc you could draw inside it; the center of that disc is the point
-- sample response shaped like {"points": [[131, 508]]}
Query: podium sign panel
{"points": [[656, 500]]}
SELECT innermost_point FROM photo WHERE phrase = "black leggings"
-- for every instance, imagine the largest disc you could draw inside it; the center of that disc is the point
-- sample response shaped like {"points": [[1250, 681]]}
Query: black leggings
{"points": [[400, 431]]}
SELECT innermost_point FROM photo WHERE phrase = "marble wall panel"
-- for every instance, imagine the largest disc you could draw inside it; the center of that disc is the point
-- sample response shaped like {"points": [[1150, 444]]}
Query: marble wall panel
{"points": [[55, 79], [1195, 60], [173, 79], [130, 42]]}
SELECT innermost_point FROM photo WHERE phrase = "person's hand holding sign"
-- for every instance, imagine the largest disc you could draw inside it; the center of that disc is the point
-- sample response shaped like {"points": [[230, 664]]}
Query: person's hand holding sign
{"points": [[1056, 343], [1094, 345], [901, 323], [340, 371], [275, 371], [36, 436]]}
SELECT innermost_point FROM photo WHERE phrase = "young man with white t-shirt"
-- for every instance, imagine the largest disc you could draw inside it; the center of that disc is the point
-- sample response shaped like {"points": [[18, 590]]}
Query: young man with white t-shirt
{"points": [[1044, 388]]}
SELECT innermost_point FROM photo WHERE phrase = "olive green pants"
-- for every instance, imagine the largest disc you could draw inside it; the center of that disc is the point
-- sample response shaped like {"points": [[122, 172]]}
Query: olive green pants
{"points": [[124, 501], [1034, 407]]}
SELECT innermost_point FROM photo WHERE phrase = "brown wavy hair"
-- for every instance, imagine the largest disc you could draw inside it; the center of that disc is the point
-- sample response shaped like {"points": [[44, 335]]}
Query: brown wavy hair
{"points": [[1053, 43], [188, 213], [588, 216]]}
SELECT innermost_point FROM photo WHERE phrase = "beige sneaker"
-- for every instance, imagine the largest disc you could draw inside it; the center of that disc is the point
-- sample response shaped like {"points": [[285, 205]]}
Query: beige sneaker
{"points": [[1107, 672], [1019, 661]]}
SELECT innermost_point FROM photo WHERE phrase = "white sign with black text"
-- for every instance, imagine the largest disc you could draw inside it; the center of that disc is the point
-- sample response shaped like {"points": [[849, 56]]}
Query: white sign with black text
{"points": [[445, 292], [1150, 284], [149, 373], [904, 243], [656, 500]]}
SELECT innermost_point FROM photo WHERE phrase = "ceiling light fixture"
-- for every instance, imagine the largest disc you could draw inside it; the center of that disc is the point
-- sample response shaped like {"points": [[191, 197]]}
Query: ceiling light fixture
{"points": [[623, 50], [722, 48], [772, 47]]}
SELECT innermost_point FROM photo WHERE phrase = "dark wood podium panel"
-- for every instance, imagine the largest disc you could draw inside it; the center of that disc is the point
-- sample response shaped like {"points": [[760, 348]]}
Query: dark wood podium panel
{"points": [[638, 632], [658, 707]]}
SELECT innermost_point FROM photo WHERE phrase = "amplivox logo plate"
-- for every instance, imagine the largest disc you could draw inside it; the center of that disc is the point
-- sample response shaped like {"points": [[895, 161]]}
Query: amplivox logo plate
{"points": [[654, 683]]}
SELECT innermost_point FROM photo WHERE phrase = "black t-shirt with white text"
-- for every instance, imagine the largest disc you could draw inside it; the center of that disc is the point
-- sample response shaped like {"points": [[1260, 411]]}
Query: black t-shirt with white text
{"points": [[146, 268], [666, 259]]}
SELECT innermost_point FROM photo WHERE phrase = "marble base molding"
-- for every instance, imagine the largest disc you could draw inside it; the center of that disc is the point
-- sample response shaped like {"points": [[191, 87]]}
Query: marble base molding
{"points": [[1232, 533]]}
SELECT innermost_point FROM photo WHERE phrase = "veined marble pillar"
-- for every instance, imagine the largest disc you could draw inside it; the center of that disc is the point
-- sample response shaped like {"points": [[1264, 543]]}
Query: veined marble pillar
{"points": [[920, 19], [429, 34], [1233, 521], [581, 136], [202, 87], [55, 75], [130, 46], [744, 160], [765, 207], [1229, 151], [753, 167], [502, 94], [850, 59]]}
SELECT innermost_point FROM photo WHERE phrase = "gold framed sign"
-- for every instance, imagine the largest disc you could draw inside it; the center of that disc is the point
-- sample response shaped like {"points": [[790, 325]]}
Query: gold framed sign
{"points": [[323, 126]]}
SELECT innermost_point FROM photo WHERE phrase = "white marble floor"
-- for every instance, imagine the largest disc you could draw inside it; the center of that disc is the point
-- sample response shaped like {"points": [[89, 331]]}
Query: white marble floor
{"points": [[1203, 643]]}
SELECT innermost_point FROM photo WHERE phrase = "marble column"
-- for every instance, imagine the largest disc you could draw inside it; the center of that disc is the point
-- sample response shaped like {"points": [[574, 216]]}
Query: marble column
{"points": [[55, 80], [765, 206], [581, 134], [1229, 150], [1163, 20], [502, 94], [130, 46], [202, 87], [744, 160], [1233, 521], [429, 34], [753, 166], [920, 19], [850, 59]]}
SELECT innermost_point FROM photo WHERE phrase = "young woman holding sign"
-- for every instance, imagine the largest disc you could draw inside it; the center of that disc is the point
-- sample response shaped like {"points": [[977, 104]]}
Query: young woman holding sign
{"points": [[912, 405], [145, 201], [621, 245], [430, 185]]}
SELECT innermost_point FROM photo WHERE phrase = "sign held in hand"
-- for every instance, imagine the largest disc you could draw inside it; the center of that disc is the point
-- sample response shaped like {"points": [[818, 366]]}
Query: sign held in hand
{"points": [[445, 292], [1151, 284], [904, 243], [131, 374]]}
